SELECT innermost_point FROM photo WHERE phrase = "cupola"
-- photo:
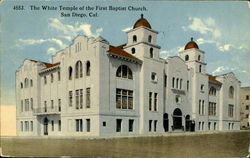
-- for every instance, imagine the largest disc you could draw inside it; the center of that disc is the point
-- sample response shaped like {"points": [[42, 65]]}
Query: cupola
{"points": [[191, 44], [142, 22]]}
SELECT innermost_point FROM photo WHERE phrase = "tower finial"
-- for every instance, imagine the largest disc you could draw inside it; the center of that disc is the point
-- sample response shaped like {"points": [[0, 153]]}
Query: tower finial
{"points": [[141, 15], [192, 38]]}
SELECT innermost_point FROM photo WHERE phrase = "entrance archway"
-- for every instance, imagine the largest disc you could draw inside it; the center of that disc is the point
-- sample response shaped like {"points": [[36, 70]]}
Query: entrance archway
{"points": [[177, 119], [188, 123], [45, 126], [165, 122]]}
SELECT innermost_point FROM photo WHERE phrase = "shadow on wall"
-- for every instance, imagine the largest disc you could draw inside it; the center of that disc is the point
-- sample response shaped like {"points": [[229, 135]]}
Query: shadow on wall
{"points": [[8, 120]]}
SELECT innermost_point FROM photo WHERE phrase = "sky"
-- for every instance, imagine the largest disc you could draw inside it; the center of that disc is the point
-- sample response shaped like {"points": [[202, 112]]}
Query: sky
{"points": [[221, 29]]}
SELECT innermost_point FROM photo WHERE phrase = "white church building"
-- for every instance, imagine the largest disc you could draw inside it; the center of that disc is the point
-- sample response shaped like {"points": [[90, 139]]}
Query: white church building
{"points": [[92, 88]]}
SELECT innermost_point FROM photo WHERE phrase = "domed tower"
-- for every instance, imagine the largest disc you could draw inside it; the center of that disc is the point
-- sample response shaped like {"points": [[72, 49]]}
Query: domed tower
{"points": [[193, 57], [142, 40]]}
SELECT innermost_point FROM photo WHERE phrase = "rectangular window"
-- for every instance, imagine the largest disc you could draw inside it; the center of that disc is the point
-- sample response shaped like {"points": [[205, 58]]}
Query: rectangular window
{"points": [[230, 110], [31, 125], [124, 99], [155, 102], [247, 97], [199, 107], [203, 107], [79, 125], [21, 105], [212, 109], [214, 125], [88, 125], [59, 104], [45, 106], [118, 98], [81, 98], [59, 75], [187, 85], [77, 99], [130, 125], [155, 125], [21, 126], [59, 125], [26, 106], [26, 123], [52, 104], [165, 81], [130, 99], [70, 98], [118, 125], [52, 125], [150, 125], [31, 103], [247, 107], [88, 98], [150, 101]]}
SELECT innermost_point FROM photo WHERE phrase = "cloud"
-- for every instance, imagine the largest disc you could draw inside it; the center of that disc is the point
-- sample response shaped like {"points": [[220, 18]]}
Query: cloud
{"points": [[51, 51], [225, 47], [40, 41], [225, 69], [172, 52], [127, 29], [204, 41], [219, 69], [72, 30], [205, 26]]}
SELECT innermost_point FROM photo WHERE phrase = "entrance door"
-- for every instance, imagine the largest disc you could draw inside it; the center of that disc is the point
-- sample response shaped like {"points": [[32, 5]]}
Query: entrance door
{"points": [[177, 119], [188, 123], [165, 122], [45, 126]]}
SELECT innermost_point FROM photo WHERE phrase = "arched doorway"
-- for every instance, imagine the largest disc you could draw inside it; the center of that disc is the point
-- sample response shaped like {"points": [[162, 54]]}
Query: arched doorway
{"points": [[188, 123], [165, 122], [192, 126], [45, 126], [177, 119]]}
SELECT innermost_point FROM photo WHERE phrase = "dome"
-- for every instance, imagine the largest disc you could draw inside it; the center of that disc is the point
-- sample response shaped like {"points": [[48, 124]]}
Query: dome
{"points": [[142, 22], [191, 45]]}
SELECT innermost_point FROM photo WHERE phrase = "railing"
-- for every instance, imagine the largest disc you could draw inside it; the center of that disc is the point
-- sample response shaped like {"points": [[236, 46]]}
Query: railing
{"points": [[47, 110]]}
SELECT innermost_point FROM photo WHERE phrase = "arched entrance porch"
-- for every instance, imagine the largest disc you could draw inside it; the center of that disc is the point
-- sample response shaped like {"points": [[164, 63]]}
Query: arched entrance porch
{"points": [[165, 122], [177, 120]]}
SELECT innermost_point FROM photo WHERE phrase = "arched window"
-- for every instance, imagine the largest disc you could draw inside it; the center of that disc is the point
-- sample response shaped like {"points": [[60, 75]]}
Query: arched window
{"points": [[21, 85], [70, 73], [173, 82], [231, 92], [180, 83], [151, 53], [186, 58], [212, 91], [134, 38], [51, 78], [31, 83], [45, 79], [78, 69], [149, 38], [88, 68], [200, 68], [124, 72], [26, 83], [177, 82], [133, 50], [199, 57]]}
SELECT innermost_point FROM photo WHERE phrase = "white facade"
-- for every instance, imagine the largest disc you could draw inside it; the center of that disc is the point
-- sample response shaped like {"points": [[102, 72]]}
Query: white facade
{"points": [[95, 89]]}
